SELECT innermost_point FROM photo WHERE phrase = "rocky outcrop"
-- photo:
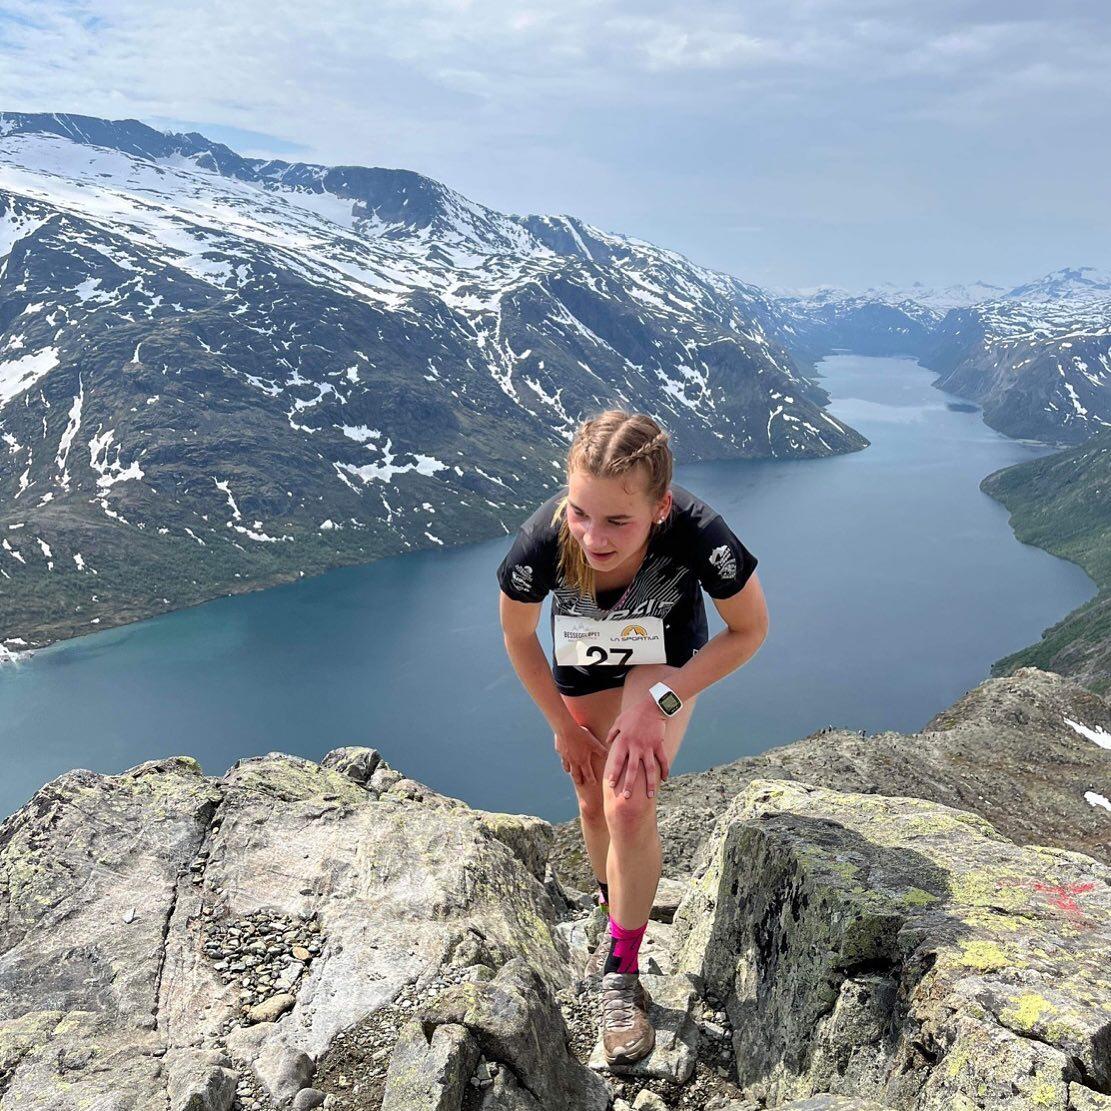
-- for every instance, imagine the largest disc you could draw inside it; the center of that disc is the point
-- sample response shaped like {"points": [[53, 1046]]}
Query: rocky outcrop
{"points": [[903, 951], [147, 915], [293, 935], [987, 753], [512, 1018]]}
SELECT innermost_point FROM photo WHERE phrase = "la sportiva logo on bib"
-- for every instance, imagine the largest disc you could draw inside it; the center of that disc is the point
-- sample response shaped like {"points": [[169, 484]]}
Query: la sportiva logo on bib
{"points": [[724, 562], [635, 633], [521, 576]]}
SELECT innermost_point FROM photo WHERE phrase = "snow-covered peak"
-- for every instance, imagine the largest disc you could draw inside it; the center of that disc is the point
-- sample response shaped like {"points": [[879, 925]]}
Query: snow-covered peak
{"points": [[938, 299], [374, 202], [1069, 285], [1077, 284], [956, 296]]}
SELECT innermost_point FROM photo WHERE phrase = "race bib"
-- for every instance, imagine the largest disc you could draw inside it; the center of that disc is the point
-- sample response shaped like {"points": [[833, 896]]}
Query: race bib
{"points": [[586, 642]]}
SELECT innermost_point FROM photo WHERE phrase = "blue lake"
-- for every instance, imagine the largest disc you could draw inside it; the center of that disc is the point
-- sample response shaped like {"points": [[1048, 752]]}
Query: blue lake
{"points": [[892, 583]]}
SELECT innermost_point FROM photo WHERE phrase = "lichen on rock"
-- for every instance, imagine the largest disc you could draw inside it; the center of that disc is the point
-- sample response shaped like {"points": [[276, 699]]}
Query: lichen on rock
{"points": [[916, 1001]]}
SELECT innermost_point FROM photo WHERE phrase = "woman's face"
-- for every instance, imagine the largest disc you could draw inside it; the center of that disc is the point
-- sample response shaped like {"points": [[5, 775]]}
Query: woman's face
{"points": [[611, 517]]}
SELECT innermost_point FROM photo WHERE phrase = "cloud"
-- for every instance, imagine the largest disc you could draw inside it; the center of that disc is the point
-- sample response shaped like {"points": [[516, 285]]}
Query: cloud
{"points": [[646, 115]]}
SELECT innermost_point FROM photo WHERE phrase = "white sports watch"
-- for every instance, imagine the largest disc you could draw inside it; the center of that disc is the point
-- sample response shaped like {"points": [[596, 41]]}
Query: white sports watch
{"points": [[666, 699]]}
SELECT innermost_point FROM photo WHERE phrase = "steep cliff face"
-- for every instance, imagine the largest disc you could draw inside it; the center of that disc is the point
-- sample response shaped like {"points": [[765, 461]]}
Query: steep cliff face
{"points": [[292, 934], [1039, 369], [901, 950]]}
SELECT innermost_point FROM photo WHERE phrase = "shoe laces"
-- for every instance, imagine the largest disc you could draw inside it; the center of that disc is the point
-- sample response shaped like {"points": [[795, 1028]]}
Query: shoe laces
{"points": [[618, 1002]]}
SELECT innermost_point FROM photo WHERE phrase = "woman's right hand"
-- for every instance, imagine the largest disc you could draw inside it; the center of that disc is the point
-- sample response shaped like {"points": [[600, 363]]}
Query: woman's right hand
{"points": [[576, 744]]}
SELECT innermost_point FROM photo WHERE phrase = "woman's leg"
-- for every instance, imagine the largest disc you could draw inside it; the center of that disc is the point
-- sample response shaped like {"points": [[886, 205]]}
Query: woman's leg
{"points": [[597, 712], [634, 841]]}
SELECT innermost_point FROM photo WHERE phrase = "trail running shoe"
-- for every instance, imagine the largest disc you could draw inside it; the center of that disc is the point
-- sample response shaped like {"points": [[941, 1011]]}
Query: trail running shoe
{"points": [[597, 960], [627, 1035]]}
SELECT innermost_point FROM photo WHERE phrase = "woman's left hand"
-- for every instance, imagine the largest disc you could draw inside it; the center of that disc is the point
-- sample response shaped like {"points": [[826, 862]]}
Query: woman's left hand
{"points": [[635, 739]]}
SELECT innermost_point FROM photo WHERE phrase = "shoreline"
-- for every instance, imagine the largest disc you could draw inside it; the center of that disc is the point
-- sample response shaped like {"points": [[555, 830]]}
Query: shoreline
{"points": [[9, 656], [108, 621]]}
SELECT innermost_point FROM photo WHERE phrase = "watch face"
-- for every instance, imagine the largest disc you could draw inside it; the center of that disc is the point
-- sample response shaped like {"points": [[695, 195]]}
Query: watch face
{"points": [[669, 702]]}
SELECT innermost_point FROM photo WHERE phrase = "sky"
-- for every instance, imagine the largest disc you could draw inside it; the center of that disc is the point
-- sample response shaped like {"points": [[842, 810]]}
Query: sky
{"points": [[793, 143]]}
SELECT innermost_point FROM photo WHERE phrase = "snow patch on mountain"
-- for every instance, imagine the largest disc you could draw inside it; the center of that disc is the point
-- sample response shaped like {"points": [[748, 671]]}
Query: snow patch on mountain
{"points": [[13, 228], [20, 374]]}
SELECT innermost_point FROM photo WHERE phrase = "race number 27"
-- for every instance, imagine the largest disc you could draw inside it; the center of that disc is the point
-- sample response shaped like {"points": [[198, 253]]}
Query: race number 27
{"points": [[596, 654]]}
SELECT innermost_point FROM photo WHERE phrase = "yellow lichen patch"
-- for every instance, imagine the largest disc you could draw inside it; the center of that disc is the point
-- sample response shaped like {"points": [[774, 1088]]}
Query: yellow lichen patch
{"points": [[19, 1036], [916, 897], [984, 918], [294, 779], [23, 870], [175, 782], [989, 888], [935, 821], [956, 1061], [1026, 1011], [984, 955], [1059, 1031], [76, 1022], [466, 994], [1047, 1094], [844, 869], [1067, 929], [519, 924]]}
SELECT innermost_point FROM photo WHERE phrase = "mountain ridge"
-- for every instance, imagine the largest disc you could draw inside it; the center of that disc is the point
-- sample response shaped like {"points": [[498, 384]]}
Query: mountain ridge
{"points": [[1036, 357], [209, 384]]}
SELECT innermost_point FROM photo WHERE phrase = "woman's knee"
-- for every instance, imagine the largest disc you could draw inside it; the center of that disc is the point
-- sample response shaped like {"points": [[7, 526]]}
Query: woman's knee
{"points": [[591, 807], [628, 815]]}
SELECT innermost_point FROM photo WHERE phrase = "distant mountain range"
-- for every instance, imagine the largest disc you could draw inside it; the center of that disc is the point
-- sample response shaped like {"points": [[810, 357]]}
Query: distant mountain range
{"points": [[917, 297], [220, 372], [1036, 357]]}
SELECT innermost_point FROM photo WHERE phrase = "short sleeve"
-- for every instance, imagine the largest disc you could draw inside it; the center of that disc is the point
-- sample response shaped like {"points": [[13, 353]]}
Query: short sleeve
{"points": [[724, 563], [527, 573]]}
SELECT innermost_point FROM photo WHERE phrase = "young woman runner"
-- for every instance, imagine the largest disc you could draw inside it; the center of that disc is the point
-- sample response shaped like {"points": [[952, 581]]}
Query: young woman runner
{"points": [[626, 555]]}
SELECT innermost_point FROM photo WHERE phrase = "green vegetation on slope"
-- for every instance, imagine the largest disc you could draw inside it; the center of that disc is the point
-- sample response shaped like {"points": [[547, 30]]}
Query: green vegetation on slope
{"points": [[1062, 503]]}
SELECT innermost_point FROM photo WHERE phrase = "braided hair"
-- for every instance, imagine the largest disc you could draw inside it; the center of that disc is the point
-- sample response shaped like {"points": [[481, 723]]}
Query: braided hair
{"points": [[605, 446]]}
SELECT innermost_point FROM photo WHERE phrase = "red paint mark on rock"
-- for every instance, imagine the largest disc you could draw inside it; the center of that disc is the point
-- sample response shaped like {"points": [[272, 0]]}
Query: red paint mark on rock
{"points": [[1063, 895]]}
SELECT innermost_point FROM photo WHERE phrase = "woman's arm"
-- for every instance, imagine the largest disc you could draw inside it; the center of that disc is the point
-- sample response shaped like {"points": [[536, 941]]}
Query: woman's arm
{"points": [[519, 621], [575, 743], [637, 732], [746, 625]]}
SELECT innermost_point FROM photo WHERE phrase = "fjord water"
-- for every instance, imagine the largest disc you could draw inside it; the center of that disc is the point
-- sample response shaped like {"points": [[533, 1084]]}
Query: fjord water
{"points": [[892, 584]]}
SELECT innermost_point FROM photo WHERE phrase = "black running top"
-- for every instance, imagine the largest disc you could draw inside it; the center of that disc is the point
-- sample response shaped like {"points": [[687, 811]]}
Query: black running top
{"points": [[694, 550]]}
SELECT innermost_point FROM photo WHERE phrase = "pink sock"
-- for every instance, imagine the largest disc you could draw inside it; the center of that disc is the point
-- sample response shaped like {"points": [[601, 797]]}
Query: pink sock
{"points": [[624, 947]]}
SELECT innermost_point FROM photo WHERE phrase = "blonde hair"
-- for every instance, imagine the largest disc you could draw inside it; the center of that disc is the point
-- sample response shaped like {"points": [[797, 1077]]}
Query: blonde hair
{"points": [[605, 446]]}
